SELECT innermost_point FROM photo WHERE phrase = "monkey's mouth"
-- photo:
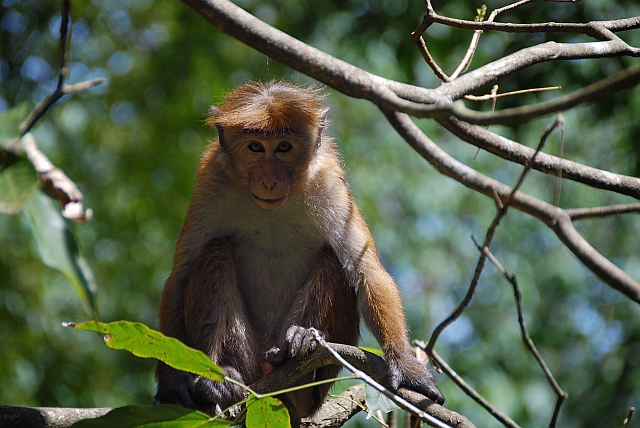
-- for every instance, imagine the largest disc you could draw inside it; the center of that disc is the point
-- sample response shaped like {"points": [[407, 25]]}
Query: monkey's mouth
{"points": [[269, 204]]}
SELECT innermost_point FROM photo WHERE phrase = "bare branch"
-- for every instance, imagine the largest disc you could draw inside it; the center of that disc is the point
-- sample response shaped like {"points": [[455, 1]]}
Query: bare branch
{"points": [[625, 79], [515, 152], [525, 58], [61, 88], [337, 410], [632, 410], [502, 211], [431, 420], [583, 213], [55, 181], [593, 29], [466, 388], [561, 394], [553, 217], [293, 370]]}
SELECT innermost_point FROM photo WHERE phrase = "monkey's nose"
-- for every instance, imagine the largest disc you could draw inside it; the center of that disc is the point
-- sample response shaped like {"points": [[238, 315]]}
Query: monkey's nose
{"points": [[269, 184]]}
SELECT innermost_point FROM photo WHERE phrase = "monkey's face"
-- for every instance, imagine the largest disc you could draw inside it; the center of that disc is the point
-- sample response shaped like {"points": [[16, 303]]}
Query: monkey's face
{"points": [[271, 163]]}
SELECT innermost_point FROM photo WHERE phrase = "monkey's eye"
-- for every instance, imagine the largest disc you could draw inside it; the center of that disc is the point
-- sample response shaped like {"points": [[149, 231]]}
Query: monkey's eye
{"points": [[284, 147], [256, 147]]}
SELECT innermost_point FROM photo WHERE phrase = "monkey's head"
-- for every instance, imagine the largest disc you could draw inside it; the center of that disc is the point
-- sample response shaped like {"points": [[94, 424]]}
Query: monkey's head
{"points": [[270, 132]]}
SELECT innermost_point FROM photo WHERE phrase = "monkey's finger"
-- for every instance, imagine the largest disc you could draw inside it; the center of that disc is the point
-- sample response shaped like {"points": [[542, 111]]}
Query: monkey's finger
{"points": [[274, 355]]}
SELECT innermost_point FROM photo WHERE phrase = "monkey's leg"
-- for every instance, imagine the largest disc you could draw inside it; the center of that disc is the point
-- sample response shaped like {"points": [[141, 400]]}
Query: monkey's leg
{"points": [[327, 303], [215, 322]]}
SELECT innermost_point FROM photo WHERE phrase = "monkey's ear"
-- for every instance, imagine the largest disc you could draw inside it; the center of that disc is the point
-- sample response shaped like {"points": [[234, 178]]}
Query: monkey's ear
{"points": [[213, 111], [323, 121], [221, 136]]}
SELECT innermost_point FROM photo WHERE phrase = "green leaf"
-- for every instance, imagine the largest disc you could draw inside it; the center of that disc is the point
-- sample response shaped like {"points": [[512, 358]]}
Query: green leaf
{"points": [[17, 180], [267, 412], [144, 342], [377, 401], [10, 122], [162, 416], [375, 351], [58, 247]]}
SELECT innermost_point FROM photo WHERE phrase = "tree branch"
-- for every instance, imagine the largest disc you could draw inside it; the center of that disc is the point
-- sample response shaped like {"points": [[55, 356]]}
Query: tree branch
{"points": [[293, 370], [357, 83], [560, 393], [555, 218]]}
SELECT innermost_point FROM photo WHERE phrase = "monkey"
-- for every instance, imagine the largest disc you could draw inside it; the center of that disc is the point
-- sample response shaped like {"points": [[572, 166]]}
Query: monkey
{"points": [[273, 244]]}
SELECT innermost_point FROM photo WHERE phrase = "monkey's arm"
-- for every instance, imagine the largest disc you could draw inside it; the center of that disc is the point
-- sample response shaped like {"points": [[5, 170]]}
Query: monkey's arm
{"points": [[380, 305]]}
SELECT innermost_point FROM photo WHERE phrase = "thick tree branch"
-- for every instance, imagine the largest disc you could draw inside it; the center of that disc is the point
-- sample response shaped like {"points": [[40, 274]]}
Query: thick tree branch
{"points": [[626, 79], [593, 29], [554, 217], [358, 83], [373, 365], [549, 164]]}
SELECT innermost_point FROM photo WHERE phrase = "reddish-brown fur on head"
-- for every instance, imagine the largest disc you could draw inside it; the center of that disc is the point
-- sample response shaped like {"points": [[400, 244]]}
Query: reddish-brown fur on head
{"points": [[271, 108]]}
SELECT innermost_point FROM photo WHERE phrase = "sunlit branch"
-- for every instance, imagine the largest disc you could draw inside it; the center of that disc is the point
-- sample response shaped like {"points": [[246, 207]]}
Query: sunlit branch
{"points": [[586, 213], [555, 218]]}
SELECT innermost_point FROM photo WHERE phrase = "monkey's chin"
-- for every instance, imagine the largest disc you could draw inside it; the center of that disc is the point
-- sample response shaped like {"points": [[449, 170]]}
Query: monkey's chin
{"points": [[270, 204]]}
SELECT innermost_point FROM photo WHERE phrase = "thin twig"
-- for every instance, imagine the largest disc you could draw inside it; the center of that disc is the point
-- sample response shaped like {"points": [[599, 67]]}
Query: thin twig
{"points": [[510, 93], [487, 243], [61, 87], [369, 380], [466, 388], [417, 38], [494, 100], [507, 8], [561, 156], [473, 46], [632, 410], [55, 181], [593, 29], [562, 395], [626, 79], [585, 213]]}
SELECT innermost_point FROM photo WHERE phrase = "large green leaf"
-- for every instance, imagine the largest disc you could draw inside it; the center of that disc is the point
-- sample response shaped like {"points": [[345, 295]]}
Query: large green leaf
{"points": [[144, 342], [267, 412], [163, 416], [10, 122], [18, 179], [58, 247]]}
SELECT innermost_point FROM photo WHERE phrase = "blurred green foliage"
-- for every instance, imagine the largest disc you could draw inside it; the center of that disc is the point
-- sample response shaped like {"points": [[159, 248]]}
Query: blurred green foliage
{"points": [[133, 144]]}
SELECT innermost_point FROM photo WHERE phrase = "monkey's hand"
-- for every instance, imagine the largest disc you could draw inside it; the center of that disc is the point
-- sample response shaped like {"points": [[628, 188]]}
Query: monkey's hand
{"points": [[195, 392], [409, 373], [298, 343], [207, 393]]}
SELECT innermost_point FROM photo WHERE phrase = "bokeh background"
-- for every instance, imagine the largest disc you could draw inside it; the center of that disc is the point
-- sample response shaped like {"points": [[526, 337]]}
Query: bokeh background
{"points": [[132, 146]]}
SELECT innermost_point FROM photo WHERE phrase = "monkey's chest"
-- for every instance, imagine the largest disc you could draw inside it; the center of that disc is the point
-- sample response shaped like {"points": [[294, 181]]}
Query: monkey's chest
{"points": [[272, 273]]}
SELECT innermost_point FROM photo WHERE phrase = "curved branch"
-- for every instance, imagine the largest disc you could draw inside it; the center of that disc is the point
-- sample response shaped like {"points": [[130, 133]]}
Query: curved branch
{"points": [[623, 80], [583, 213], [338, 74], [555, 218], [592, 29], [549, 164], [357, 83], [527, 57]]}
